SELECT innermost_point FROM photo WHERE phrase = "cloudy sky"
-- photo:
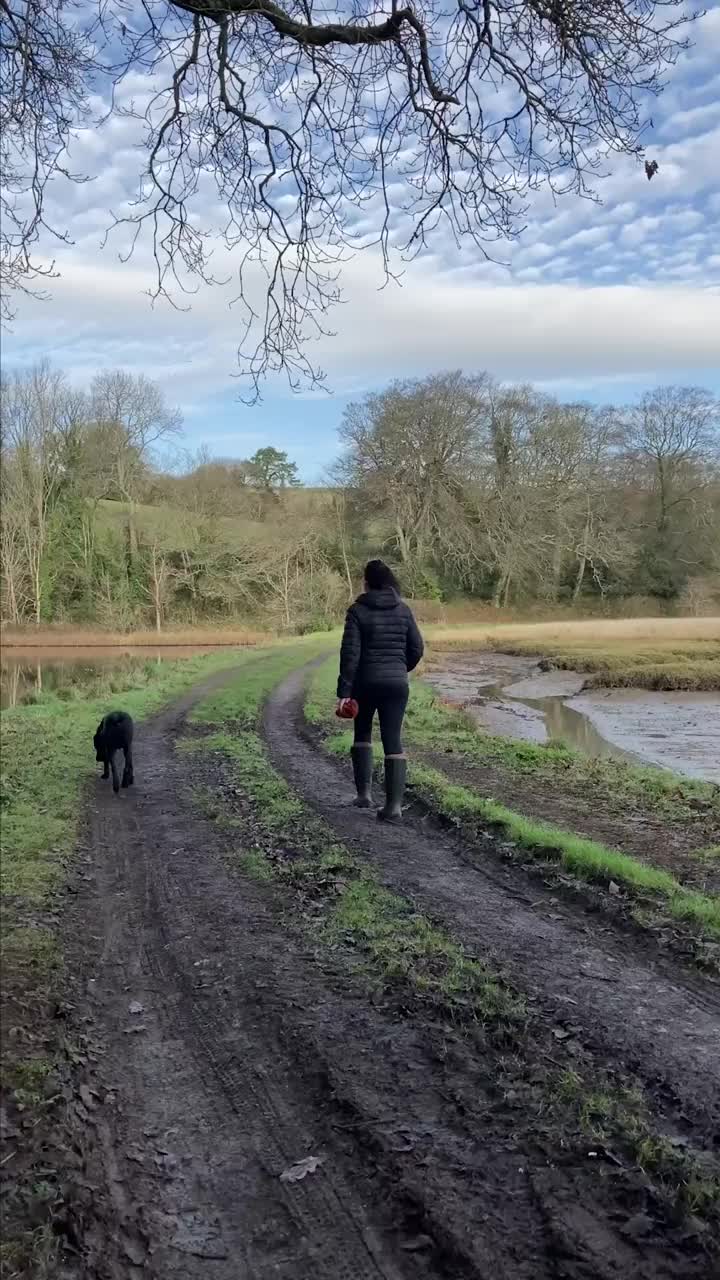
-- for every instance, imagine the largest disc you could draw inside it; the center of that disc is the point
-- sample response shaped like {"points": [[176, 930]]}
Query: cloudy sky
{"points": [[596, 302]]}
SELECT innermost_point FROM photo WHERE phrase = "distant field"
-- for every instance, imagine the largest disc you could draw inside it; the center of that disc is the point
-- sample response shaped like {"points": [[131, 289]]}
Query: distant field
{"points": [[649, 653], [176, 524]]}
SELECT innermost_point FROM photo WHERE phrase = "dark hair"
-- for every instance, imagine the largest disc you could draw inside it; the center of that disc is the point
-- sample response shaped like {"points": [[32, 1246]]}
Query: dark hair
{"points": [[378, 575]]}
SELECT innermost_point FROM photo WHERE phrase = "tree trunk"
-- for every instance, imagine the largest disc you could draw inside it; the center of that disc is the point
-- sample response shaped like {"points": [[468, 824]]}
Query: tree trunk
{"points": [[662, 482], [343, 549], [402, 543], [37, 590], [557, 561], [11, 595], [500, 589], [580, 576], [582, 561]]}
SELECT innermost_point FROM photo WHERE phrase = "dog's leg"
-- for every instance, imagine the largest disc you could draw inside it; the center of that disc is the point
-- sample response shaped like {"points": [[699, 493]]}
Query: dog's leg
{"points": [[115, 771], [106, 768], [128, 775]]}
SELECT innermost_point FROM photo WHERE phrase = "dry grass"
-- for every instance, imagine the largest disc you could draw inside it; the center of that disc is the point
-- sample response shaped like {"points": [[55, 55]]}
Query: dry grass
{"points": [[589, 634], [69, 637], [676, 675]]}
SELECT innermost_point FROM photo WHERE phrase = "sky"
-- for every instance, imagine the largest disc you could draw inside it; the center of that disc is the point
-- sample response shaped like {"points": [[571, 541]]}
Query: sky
{"points": [[594, 301]]}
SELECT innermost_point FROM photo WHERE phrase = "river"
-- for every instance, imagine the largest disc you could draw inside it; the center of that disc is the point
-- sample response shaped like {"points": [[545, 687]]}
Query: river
{"points": [[511, 697]]}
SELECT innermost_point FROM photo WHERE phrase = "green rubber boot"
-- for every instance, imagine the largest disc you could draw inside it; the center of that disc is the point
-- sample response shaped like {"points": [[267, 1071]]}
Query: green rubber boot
{"points": [[395, 777], [362, 763]]}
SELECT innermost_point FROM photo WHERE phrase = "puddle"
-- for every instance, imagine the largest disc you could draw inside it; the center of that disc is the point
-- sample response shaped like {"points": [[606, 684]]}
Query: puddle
{"points": [[511, 697]]}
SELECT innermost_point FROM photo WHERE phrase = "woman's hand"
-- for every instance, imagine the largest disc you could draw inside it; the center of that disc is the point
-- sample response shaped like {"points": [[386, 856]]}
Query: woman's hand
{"points": [[346, 709]]}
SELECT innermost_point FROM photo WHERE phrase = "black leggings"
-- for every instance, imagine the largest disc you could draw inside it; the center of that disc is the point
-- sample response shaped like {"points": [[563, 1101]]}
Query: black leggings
{"points": [[390, 701]]}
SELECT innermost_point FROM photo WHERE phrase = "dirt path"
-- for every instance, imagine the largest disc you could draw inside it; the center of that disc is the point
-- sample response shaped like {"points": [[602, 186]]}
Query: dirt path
{"points": [[232, 1047], [203, 1110], [663, 1024]]}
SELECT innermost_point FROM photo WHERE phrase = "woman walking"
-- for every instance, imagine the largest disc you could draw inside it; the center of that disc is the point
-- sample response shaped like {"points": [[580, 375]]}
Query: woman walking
{"points": [[381, 644]]}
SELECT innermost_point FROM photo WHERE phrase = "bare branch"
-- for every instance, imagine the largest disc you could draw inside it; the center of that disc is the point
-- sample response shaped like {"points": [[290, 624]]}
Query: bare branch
{"points": [[320, 137]]}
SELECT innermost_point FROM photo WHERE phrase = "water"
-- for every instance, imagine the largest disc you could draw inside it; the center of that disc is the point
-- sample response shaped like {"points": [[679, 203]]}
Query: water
{"points": [[513, 698], [72, 673]]}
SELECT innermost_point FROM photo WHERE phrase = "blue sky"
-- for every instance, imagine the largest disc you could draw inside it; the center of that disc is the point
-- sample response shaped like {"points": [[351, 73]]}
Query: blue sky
{"points": [[598, 301]]}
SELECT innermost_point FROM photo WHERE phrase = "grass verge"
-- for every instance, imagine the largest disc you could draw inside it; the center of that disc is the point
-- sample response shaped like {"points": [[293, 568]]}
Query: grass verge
{"points": [[410, 954], [586, 859], [47, 758]]}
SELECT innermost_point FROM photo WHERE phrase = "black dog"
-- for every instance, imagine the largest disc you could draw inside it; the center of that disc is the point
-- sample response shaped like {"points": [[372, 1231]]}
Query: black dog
{"points": [[115, 733]]}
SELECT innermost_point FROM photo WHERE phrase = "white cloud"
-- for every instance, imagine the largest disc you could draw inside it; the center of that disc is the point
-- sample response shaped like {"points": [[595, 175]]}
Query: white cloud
{"points": [[592, 290], [529, 329]]}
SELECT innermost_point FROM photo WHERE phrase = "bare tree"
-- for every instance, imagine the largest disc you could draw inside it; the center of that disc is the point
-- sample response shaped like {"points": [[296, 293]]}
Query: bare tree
{"points": [[676, 430], [412, 449], [33, 422], [306, 118], [129, 420]]}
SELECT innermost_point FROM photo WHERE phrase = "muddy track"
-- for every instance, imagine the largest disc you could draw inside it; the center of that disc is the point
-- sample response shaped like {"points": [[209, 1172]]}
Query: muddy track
{"points": [[202, 1112], [230, 1050], [663, 1026], [232, 1046]]}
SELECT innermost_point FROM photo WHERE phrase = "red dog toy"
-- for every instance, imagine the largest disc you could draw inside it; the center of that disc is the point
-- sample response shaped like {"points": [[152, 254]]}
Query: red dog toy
{"points": [[348, 709]]}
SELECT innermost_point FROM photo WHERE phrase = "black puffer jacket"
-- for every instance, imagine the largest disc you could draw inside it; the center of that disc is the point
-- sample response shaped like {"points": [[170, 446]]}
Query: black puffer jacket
{"points": [[381, 642]]}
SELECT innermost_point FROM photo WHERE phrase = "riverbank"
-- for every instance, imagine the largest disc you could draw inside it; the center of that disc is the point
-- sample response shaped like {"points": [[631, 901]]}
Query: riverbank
{"points": [[670, 654]]}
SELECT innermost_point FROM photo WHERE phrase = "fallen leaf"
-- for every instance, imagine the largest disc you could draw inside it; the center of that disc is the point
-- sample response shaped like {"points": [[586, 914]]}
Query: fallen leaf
{"points": [[131, 1031], [87, 1096], [614, 888], [136, 1007], [298, 1171], [560, 1034]]}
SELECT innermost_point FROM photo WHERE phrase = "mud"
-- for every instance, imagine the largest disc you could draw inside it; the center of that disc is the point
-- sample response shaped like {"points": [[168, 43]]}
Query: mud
{"points": [[679, 731], [228, 1044], [511, 697]]}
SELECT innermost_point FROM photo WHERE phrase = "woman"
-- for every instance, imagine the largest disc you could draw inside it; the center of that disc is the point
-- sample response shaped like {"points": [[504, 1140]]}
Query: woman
{"points": [[381, 644]]}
